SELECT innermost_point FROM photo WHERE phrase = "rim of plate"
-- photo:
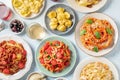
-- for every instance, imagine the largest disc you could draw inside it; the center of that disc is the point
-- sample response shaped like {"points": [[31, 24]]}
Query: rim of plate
{"points": [[85, 9], [101, 52], [22, 72], [83, 63], [70, 10], [55, 74], [30, 17]]}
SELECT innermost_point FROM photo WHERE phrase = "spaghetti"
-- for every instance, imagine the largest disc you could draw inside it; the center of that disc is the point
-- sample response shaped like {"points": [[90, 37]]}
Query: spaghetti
{"points": [[96, 34]]}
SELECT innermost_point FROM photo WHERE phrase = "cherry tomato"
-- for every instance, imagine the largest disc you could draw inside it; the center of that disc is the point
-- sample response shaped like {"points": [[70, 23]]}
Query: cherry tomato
{"points": [[67, 63], [6, 71], [12, 42], [53, 62], [49, 50], [24, 52], [13, 56], [59, 55], [21, 65], [46, 45], [41, 60]]}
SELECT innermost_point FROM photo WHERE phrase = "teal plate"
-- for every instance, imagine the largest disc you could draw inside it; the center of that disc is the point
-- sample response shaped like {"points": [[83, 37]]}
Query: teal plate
{"points": [[67, 69]]}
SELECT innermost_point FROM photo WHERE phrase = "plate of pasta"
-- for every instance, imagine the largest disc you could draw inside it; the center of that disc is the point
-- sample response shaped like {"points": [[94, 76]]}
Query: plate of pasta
{"points": [[96, 34], [15, 57], [60, 19], [55, 56], [28, 8], [95, 68], [87, 6]]}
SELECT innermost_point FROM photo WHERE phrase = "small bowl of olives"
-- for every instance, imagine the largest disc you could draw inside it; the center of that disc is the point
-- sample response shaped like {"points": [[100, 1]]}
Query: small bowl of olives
{"points": [[17, 26]]}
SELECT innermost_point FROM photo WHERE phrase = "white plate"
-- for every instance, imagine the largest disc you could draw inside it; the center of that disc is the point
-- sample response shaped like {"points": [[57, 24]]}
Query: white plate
{"points": [[77, 7], [98, 16], [22, 72], [83, 63], [32, 15]]}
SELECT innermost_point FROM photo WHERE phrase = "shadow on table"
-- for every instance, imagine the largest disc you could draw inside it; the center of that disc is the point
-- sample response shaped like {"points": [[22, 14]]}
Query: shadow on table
{"points": [[77, 61], [106, 6]]}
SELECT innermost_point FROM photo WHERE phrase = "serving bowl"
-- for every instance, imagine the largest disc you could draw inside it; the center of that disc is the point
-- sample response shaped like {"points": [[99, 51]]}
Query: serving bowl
{"points": [[68, 9], [64, 71]]}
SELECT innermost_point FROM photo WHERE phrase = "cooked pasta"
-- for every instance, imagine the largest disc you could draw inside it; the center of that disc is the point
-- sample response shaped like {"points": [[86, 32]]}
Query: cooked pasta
{"points": [[96, 34], [59, 19], [87, 3], [55, 56], [27, 8], [96, 71], [12, 57]]}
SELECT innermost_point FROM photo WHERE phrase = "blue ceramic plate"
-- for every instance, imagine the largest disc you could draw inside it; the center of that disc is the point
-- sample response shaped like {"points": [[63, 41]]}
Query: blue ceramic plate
{"points": [[67, 69]]}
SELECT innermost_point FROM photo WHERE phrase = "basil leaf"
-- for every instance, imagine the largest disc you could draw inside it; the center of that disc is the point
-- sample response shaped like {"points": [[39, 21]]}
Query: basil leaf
{"points": [[97, 35], [95, 49], [108, 30], [82, 32], [89, 21], [49, 57]]}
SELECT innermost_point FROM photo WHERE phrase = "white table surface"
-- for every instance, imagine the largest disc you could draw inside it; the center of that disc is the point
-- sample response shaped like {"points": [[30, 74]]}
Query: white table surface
{"points": [[112, 8]]}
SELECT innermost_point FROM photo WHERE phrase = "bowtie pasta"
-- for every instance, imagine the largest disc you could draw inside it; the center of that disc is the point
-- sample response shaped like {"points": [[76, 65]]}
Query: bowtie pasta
{"points": [[87, 3], [59, 19], [96, 71], [27, 7]]}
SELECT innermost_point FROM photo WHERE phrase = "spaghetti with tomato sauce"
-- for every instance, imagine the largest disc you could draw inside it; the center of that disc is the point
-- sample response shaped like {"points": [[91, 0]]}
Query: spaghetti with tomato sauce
{"points": [[96, 34], [12, 57], [55, 56]]}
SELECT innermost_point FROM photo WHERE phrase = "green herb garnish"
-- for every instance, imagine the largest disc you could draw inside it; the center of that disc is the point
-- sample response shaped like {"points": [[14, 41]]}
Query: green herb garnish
{"points": [[82, 32], [108, 30], [51, 43], [95, 49], [97, 35], [89, 21], [56, 44], [49, 57]]}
